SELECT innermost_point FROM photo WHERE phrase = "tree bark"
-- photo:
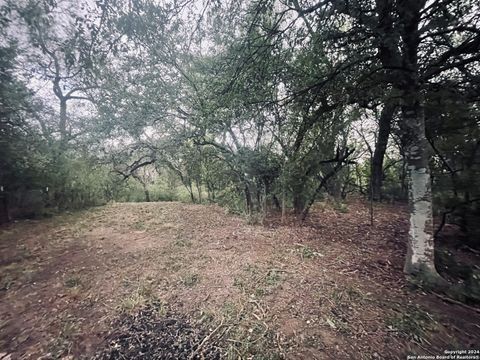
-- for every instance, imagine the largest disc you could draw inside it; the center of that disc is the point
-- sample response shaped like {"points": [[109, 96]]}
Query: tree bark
{"points": [[4, 216], [190, 191], [385, 122], [248, 199], [199, 190], [63, 123], [420, 250], [298, 202]]}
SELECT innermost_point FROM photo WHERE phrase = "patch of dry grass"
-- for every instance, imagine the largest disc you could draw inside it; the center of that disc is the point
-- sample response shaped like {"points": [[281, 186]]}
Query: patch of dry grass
{"points": [[279, 290]]}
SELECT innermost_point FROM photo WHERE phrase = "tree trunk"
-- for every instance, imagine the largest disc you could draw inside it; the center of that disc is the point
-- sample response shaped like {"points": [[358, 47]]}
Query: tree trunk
{"points": [[298, 203], [190, 191], [248, 199], [420, 250], [403, 176], [376, 176], [276, 202], [4, 217], [63, 123], [210, 195], [199, 190]]}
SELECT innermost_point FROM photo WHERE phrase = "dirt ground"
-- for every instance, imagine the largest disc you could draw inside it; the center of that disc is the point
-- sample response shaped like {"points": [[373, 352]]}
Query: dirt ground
{"points": [[331, 288]]}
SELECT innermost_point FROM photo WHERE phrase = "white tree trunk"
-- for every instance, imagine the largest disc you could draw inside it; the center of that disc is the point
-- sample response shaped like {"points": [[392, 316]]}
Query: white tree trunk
{"points": [[420, 250]]}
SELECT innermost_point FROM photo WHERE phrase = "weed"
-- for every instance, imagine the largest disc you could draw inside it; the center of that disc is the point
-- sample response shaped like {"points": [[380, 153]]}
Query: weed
{"points": [[252, 269], [183, 243], [63, 343], [229, 309], [139, 225], [252, 342], [412, 323], [347, 295], [341, 207], [146, 289], [206, 317], [238, 282], [272, 278], [132, 302], [158, 306], [260, 292], [144, 294], [339, 320], [72, 282], [7, 281], [68, 329], [190, 280], [255, 282], [307, 252]]}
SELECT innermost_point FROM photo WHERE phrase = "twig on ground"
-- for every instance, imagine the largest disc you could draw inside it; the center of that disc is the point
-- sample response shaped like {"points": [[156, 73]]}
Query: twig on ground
{"points": [[278, 270], [456, 302], [259, 307], [205, 339]]}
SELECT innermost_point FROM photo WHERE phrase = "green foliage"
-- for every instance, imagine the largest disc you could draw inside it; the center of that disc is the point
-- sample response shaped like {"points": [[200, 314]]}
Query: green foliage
{"points": [[453, 132], [249, 111], [20, 160], [307, 252], [272, 278]]}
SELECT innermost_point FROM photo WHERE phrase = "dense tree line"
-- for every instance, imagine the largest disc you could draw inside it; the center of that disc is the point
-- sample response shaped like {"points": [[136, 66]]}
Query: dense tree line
{"points": [[255, 105]]}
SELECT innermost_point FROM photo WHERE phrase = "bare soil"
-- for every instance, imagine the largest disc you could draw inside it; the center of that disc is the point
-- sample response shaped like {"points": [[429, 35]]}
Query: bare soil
{"points": [[330, 288]]}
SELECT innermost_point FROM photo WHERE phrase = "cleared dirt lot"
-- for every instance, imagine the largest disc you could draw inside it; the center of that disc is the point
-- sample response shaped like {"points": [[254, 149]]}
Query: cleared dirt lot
{"points": [[311, 291]]}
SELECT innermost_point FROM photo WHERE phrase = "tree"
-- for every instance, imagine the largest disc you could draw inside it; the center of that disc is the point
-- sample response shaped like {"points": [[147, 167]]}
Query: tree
{"points": [[409, 56]]}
